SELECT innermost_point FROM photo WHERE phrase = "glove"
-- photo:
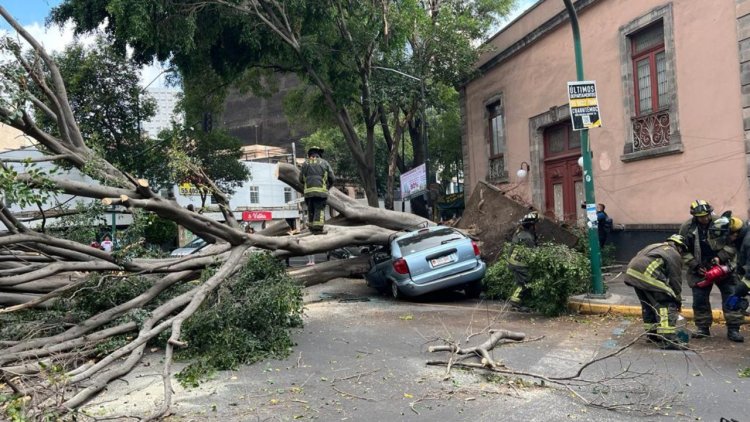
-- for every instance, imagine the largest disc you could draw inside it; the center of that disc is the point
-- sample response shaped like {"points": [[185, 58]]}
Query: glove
{"points": [[733, 303]]}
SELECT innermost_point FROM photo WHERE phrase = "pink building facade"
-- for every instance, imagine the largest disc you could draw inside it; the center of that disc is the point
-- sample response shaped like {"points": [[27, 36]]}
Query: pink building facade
{"points": [[673, 82]]}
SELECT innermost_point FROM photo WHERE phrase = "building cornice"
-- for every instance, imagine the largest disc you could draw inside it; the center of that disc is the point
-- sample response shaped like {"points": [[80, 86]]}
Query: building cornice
{"points": [[530, 38]]}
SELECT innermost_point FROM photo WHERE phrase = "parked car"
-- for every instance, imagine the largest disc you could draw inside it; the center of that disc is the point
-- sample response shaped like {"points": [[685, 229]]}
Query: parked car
{"points": [[347, 252], [192, 247], [426, 260]]}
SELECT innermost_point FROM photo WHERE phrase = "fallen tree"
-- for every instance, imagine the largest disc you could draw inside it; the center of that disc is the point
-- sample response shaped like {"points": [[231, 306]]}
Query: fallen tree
{"points": [[32, 84]]}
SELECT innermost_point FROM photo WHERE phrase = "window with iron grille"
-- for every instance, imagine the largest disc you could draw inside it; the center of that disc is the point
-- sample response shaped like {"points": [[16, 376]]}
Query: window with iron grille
{"points": [[254, 195], [497, 131], [647, 52], [496, 139]]}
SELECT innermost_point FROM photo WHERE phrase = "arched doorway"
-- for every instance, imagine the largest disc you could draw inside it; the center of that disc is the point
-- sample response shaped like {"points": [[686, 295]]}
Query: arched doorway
{"points": [[563, 177]]}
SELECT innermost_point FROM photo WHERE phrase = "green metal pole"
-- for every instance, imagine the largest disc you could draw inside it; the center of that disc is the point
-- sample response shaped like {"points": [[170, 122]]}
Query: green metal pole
{"points": [[597, 287]]}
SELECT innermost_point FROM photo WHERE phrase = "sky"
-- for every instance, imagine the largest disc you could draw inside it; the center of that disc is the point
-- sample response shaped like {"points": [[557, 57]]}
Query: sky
{"points": [[31, 14]]}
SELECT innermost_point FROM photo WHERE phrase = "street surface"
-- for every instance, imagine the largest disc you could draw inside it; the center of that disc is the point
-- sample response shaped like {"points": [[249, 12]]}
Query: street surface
{"points": [[362, 357]]}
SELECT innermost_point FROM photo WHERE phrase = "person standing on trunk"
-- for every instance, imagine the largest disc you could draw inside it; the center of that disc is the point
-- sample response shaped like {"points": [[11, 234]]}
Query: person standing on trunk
{"points": [[317, 177]]}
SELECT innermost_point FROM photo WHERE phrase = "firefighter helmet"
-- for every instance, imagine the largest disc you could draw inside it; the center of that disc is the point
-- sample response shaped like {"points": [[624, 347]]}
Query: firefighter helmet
{"points": [[735, 224], [530, 218], [700, 208], [719, 227], [315, 150], [724, 225], [678, 240]]}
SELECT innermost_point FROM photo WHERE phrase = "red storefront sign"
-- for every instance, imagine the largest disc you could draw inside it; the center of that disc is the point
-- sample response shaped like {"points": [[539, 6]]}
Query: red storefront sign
{"points": [[256, 215]]}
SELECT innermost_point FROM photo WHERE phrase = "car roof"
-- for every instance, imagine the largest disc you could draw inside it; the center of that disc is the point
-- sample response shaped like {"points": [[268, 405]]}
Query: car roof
{"points": [[422, 230]]}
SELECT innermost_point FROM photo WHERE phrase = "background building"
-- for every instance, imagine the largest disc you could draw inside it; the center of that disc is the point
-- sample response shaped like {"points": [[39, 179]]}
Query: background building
{"points": [[672, 80], [259, 120], [166, 100]]}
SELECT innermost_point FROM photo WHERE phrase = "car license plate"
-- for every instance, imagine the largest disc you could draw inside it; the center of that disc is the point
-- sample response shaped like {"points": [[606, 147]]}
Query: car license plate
{"points": [[442, 260]]}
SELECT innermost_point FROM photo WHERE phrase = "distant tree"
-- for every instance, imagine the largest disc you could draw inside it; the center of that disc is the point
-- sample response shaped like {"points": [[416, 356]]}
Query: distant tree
{"points": [[445, 150], [110, 106], [336, 47], [337, 154]]}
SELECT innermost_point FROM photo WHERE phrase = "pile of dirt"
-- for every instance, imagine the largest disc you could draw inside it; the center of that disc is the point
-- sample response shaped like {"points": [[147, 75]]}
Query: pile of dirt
{"points": [[492, 217]]}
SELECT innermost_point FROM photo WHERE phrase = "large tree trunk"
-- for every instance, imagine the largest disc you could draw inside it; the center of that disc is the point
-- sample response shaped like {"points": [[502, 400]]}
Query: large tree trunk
{"points": [[36, 268]]}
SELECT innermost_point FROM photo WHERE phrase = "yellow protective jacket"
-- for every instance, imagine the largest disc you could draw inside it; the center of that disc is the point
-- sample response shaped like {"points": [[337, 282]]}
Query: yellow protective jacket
{"points": [[656, 268], [520, 237], [317, 177]]}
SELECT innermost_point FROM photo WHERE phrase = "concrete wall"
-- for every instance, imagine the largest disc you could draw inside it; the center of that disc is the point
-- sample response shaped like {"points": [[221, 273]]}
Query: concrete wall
{"points": [[532, 81]]}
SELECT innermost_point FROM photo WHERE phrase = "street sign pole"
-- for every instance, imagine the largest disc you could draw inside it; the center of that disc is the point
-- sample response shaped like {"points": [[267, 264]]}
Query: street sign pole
{"points": [[597, 287]]}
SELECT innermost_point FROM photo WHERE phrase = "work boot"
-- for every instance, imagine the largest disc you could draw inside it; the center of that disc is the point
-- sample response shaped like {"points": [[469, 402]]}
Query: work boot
{"points": [[652, 337], [671, 344], [702, 332], [733, 334]]}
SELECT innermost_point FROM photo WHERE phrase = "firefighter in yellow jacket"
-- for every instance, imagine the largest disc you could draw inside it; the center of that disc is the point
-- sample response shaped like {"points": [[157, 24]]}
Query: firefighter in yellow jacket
{"points": [[317, 178], [524, 236], [656, 275]]}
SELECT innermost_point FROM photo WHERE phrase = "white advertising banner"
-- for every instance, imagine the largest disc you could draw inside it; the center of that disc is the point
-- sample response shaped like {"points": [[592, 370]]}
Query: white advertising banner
{"points": [[413, 182]]}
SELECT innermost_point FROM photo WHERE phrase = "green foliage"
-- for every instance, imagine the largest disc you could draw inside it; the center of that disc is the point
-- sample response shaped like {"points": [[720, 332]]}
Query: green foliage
{"points": [[12, 408], [744, 373], [81, 223], [110, 106], [608, 255], [340, 158], [102, 292], [35, 191], [31, 323], [215, 153], [556, 273], [160, 231], [247, 319], [445, 135], [340, 51]]}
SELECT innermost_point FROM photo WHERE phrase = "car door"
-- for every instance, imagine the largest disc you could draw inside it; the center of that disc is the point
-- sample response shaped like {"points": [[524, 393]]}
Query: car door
{"points": [[380, 262]]}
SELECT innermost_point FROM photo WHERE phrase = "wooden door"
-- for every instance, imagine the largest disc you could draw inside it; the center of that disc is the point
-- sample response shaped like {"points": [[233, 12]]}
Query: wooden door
{"points": [[563, 182]]}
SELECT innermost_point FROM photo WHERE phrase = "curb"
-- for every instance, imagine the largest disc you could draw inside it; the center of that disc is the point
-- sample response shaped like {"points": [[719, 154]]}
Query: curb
{"points": [[591, 308]]}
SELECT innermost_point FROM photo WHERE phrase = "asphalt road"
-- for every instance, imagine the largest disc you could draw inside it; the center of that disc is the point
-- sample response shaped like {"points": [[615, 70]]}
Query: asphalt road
{"points": [[362, 357]]}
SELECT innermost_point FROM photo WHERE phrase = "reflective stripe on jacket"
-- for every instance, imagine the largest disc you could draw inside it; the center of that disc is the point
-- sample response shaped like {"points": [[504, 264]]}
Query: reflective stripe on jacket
{"points": [[317, 177], [524, 238], [656, 268]]}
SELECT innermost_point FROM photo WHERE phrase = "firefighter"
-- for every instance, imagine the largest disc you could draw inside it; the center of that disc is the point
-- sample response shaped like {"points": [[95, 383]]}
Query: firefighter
{"points": [[697, 260], [656, 275], [738, 302], [525, 235], [317, 177], [725, 236], [701, 257]]}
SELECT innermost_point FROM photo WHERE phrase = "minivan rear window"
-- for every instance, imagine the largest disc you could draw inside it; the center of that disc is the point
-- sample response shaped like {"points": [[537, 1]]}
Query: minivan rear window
{"points": [[427, 240]]}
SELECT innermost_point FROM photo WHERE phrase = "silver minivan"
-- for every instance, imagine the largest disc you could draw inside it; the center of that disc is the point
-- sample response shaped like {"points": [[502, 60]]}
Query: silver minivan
{"points": [[426, 260]]}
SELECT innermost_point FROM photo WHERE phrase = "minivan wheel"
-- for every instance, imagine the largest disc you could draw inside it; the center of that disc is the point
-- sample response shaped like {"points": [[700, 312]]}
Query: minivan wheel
{"points": [[395, 293], [473, 289]]}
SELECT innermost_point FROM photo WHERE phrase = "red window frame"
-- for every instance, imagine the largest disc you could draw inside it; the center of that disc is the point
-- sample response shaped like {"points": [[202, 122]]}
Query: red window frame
{"points": [[650, 54]]}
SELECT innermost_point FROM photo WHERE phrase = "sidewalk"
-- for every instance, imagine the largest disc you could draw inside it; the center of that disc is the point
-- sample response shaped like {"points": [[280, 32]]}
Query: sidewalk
{"points": [[622, 300]]}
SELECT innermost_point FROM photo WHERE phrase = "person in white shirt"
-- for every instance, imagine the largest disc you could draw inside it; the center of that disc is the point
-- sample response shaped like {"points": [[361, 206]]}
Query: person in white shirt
{"points": [[107, 244]]}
